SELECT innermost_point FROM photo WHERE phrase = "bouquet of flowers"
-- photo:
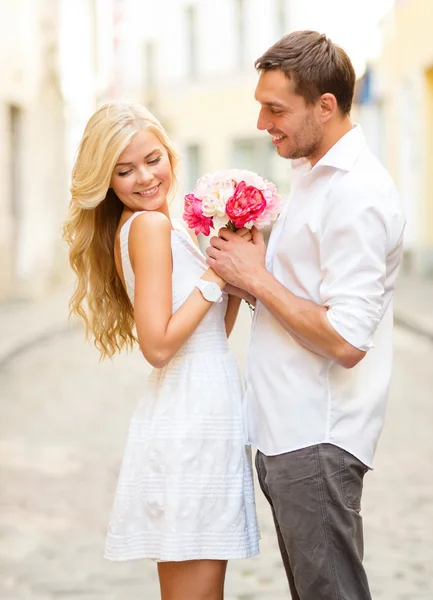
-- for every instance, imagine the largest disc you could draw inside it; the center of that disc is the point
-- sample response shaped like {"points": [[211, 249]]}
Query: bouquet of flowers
{"points": [[234, 198]]}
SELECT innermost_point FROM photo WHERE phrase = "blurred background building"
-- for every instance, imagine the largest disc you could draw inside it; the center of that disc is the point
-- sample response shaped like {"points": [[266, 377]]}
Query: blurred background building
{"points": [[63, 415], [405, 73], [192, 63], [198, 77], [59, 60], [33, 177], [197, 72]]}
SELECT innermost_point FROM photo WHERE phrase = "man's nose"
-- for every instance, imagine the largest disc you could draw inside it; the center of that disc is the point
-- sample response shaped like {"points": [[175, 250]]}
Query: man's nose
{"points": [[263, 123]]}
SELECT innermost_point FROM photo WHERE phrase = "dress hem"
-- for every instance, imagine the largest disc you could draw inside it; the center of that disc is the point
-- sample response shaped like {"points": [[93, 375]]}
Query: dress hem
{"points": [[171, 558]]}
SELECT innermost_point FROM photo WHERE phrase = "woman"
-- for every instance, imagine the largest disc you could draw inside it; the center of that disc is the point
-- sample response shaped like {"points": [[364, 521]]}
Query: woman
{"points": [[185, 492]]}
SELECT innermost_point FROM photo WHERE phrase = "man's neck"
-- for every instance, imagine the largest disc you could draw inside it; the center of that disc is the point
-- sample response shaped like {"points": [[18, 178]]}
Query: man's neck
{"points": [[331, 137]]}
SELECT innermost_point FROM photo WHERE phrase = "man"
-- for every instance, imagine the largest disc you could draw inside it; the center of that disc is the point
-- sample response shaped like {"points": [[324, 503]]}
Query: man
{"points": [[320, 357]]}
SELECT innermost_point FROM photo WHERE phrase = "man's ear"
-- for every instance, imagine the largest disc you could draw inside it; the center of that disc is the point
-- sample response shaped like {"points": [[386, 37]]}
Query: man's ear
{"points": [[328, 107]]}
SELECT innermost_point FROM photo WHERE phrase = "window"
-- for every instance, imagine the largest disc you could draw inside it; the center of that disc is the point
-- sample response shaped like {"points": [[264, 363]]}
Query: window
{"points": [[259, 155], [193, 170], [149, 65], [15, 129], [193, 166], [149, 75], [280, 18], [240, 32], [15, 126], [252, 154], [191, 41]]}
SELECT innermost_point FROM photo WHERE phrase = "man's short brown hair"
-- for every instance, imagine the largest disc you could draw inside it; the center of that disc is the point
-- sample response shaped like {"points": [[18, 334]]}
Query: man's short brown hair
{"points": [[314, 64]]}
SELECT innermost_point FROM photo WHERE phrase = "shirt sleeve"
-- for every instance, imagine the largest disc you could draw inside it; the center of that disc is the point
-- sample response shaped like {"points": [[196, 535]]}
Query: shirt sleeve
{"points": [[359, 232]]}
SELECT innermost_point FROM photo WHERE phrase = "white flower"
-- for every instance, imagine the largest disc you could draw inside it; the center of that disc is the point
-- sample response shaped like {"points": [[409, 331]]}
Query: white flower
{"points": [[219, 222], [202, 186], [250, 178], [215, 196], [213, 205]]}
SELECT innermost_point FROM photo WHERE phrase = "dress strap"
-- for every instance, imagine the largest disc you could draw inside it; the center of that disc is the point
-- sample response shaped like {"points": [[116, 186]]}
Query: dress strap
{"points": [[181, 227], [128, 273]]}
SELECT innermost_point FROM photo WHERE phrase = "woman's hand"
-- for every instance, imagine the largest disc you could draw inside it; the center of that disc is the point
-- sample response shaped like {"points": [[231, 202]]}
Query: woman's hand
{"points": [[240, 293]]}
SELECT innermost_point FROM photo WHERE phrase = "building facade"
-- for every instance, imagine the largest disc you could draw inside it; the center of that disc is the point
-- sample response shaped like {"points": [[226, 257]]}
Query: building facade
{"points": [[91, 62], [32, 169], [406, 74]]}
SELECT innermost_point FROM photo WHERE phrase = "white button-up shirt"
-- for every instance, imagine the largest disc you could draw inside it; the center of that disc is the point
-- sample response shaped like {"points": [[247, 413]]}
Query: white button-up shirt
{"points": [[338, 243]]}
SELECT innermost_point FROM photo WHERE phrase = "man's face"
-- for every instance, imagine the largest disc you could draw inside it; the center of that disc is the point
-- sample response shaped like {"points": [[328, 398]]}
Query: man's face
{"points": [[295, 127]]}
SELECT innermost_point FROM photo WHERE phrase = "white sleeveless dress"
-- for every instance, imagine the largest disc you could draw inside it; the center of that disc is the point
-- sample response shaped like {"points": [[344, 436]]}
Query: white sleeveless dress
{"points": [[185, 489]]}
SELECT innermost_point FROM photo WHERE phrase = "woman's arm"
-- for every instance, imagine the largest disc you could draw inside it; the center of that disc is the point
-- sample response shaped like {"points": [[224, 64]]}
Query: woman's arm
{"points": [[161, 333], [240, 293], [234, 299]]}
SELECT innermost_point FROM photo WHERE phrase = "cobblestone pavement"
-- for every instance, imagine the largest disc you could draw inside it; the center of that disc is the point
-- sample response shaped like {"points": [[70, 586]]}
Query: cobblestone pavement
{"points": [[63, 420]]}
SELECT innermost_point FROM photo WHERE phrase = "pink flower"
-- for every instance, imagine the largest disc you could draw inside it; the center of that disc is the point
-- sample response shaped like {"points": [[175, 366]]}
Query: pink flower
{"points": [[194, 217], [246, 204], [273, 206]]}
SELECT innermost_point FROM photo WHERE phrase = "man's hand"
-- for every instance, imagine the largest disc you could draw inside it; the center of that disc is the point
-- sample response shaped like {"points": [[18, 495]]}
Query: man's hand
{"points": [[235, 259]]}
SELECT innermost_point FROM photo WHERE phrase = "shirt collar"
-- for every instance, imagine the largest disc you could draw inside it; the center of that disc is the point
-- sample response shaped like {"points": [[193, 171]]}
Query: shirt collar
{"points": [[342, 155]]}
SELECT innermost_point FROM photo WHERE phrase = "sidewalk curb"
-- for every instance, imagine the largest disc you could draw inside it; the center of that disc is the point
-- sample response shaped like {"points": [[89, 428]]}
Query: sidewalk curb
{"points": [[33, 341], [60, 325], [401, 319], [30, 323]]}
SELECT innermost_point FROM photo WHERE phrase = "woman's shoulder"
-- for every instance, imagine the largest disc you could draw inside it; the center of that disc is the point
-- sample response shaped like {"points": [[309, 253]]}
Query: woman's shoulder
{"points": [[151, 219], [150, 223], [149, 235]]}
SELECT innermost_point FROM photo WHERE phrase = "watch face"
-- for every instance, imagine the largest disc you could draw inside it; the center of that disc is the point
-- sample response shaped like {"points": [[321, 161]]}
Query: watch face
{"points": [[212, 291]]}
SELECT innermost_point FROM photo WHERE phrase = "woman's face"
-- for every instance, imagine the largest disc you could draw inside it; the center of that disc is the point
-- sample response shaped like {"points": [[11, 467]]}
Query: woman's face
{"points": [[143, 176]]}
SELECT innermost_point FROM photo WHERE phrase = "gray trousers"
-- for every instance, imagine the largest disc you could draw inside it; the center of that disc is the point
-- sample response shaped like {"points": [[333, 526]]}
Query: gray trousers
{"points": [[315, 497]]}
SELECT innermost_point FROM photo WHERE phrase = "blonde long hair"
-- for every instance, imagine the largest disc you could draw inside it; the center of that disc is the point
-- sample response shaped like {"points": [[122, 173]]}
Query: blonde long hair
{"points": [[100, 299]]}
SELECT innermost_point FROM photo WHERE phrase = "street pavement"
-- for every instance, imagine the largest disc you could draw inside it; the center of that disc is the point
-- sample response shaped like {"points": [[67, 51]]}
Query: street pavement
{"points": [[63, 423]]}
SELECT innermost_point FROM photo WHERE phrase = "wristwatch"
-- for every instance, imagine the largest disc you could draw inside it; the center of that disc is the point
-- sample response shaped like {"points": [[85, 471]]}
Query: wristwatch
{"points": [[211, 291]]}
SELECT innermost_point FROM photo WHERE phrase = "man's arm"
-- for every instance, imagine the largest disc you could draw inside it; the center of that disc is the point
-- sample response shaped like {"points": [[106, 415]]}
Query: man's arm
{"points": [[244, 266], [353, 261], [306, 321]]}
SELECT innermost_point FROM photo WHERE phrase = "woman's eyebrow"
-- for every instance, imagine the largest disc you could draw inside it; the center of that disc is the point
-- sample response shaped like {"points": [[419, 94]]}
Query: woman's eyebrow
{"points": [[122, 164]]}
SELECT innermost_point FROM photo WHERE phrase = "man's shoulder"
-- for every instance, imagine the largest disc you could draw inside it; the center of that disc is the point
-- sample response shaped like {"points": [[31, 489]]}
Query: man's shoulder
{"points": [[367, 183]]}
